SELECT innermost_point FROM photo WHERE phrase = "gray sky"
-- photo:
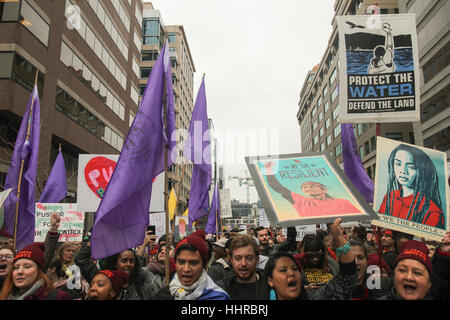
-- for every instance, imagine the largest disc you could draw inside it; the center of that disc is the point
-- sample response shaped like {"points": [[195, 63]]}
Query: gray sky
{"points": [[255, 54]]}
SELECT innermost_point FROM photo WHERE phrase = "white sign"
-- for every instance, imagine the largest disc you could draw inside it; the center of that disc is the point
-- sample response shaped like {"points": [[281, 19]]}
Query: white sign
{"points": [[263, 220], [3, 196], [71, 225], [94, 173], [304, 230], [225, 203], [158, 220], [379, 76]]}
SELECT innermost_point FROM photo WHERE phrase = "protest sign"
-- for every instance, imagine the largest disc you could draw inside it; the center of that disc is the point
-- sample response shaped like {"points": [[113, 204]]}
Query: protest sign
{"points": [[263, 221], [304, 230], [71, 225], [297, 189], [158, 219], [225, 203], [94, 173], [411, 189], [379, 68]]}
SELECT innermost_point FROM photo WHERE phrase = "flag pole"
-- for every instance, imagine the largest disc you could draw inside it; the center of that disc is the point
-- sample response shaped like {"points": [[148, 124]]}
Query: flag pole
{"points": [[16, 218], [176, 206], [166, 192]]}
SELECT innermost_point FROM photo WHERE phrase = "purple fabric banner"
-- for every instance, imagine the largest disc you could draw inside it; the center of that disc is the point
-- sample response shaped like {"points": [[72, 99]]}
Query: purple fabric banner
{"points": [[353, 166], [123, 213], [26, 149], [56, 187], [198, 150], [214, 212]]}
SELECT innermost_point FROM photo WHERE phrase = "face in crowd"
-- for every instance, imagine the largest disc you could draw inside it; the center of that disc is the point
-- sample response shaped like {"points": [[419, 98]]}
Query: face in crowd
{"points": [[25, 273], [126, 261], [263, 237], [6, 260], [361, 262], [189, 266], [101, 288], [411, 279], [244, 261], [386, 240], [285, 279], [68, 254]]}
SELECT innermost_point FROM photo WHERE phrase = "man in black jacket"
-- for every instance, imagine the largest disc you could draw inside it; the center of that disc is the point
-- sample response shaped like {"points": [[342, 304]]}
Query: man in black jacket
{"points": [[245, 283]]}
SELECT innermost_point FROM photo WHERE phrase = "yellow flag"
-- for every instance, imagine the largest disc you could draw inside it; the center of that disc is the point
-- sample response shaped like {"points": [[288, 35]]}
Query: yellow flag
{"points": [[186, 213], [172, 204]]}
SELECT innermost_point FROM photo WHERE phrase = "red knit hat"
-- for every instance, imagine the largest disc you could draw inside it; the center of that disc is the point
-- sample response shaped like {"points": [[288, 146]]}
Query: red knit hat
{"points": [[388, 232], [118, 279], [34, 251], [197, 240], [416, 250]]}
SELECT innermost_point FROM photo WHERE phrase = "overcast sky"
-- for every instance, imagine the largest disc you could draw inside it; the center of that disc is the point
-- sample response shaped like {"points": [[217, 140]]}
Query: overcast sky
{"points": [[255, 54]]}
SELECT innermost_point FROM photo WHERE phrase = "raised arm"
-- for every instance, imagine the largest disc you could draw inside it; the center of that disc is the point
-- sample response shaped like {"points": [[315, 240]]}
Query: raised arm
{"points": [[275, 184]]}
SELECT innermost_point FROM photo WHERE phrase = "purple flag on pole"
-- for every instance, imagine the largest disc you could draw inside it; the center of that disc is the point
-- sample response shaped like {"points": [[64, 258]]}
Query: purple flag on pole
{"points": [[123, 212], [198, 150], [56, 187], [26, 148], [353, 166], [214, 211]]}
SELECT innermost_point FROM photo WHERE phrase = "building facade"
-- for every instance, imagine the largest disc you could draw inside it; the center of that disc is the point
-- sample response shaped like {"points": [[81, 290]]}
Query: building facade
{"points": [[432, 21], [154, 31], [319, 99], [86, 54]]}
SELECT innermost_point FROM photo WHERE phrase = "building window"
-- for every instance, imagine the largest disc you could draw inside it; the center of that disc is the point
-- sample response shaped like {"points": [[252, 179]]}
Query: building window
{"points": [[394, 136], [320, 116], [145, 72], [361, 152], [439, 141], [335, 112], [373, 142], [316, 139], [6, 64], [326, 106], [338, 149], [24, 74], [314, 125], [322, 146], [321, 131], [327, 123], [329, 140], [172, 37], [333, 76], [337, 131], [313, 112], [9, 11], [438, 103], [325, 91], [150, 55], [319, 102], [366, 147], [334, 94]]}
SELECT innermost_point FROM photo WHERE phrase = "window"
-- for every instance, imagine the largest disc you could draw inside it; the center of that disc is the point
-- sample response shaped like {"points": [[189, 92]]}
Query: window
{"points": [[325, 91], [373, 143], [329, 140], [338, 149], [321, 131], [322, 146], [337, 131], [360, 130], [394, 136], [319, 102], [334, 94], [326, 106], [172, 37], [24, 74], [327, 123], [366, 148], [314, 111], [9, 11], [333, 76], [316, 139], [6, 64], [320, 116], [335, 112], [34, 22], [361, 152], [151, 55], [314, 125]]}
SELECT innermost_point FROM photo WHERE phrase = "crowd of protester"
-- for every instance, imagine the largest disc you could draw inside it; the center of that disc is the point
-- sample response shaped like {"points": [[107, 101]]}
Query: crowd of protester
{"points": [[255, 264]]}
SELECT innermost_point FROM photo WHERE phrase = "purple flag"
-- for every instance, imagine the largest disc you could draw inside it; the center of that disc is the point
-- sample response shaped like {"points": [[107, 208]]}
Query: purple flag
{"points": [[214, 212], [198, 150], [353, 166], [26, 149], [56, 187], [123, 213]]}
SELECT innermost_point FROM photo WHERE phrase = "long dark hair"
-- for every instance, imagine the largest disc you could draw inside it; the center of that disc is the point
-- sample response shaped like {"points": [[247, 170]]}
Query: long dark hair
{"points": [[135, 276], [270, 266], [426, 185]]}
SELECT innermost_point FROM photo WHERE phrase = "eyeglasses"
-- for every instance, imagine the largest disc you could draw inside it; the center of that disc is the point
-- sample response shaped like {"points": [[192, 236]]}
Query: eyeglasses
{"points": [[7, 256]]}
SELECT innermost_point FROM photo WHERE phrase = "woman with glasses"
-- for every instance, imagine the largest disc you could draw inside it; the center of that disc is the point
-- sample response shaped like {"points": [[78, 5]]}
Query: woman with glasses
{"points": [[6, 260]]}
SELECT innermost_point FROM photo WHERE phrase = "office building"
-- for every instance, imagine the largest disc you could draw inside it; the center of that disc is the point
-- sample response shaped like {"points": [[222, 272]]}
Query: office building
{"points": [[319, 99], [432, 20], [86, 53]]}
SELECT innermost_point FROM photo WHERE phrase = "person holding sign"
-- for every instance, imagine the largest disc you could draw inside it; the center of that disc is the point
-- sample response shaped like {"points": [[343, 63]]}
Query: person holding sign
{"points": [[317, 201], [413, 188]]}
